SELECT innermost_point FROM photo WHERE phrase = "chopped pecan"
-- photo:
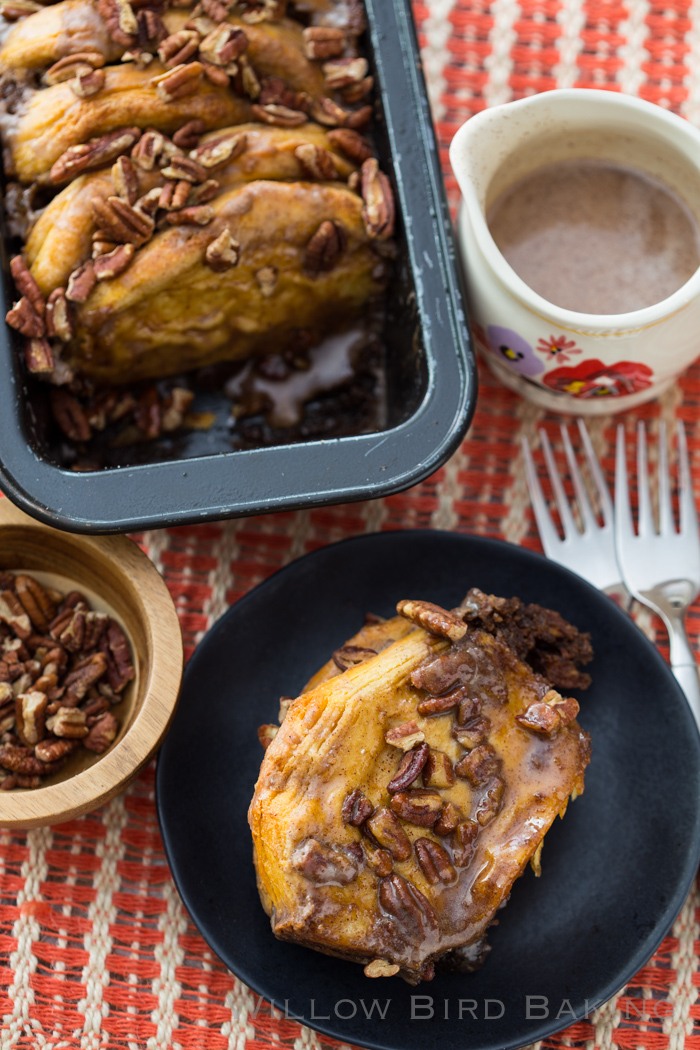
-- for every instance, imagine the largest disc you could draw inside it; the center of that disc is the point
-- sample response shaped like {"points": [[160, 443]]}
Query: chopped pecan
{"points": [[125, 179], [199, 215], [7, 715], [92, 708], [217, 10], [473, 733], [46, 682], [433, 618], [87, 83], [223, 45], [443, 672], [179, 82], [351, 144], [25, 320], [356, 808], [437, 705], [400, 899], [378, 213], [378, 859], [490, 803], [59, 317], [469, 708], [567, 708], [448, 819], [266, 277], [181, 167], [341, 72], [35, 600], [434, 861], [325, 247], [26, 285], [68, 722], [70, 415], [102, 733], [175, 408], [218, 151], [81, 282], [94, 154], [51, 750], [321, 42], [113, 263], [280, 116], [264, 11], [82, 677], [350, 655], [464, 842], [437, 771], [478, 765], [30, 712], [189, 134], [223, 253], [539, 717], [410, 767], [417, 806], [124, 223], [12, 613], [323, 864], [386, 830], [381, 968], [405, 736], [267, 733], [316, 161]]}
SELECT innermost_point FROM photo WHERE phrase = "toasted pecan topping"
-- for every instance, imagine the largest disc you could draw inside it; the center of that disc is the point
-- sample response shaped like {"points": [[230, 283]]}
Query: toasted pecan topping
{"points": [[405, 736], [433, 618], [94, 154], [321, 42], [223, 253], [410, 767]]}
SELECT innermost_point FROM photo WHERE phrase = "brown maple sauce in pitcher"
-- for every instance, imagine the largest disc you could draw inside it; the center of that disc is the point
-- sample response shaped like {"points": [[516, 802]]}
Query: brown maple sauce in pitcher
{"points": [[595, 236]]}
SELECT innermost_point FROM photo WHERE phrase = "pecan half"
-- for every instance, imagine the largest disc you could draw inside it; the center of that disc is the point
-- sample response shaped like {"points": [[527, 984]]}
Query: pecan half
{"points": [[113, 263], [321, 42], [120, 670], [316, 161], [464, 842], [73, 634], [469, 708], [59, 317], [88, 82], [386, 830], [540, 717], [70, 415], [329, 113], [102, 733], [478, 765], [356, 808], [199, 215], [25, 320], [448, 820], [351, 655], [12, 613], [223, 253], [30, 712], [473, 733], [26, 285], [84, 675], [154, 149], [433, 618], [68, 722], [51, 750], [179, 82], [35, 600], [413, 912], [94, 154], [437, 771], [178, 48], [267, 733], [218, 151], [378, 213], [410, 767], [279, 116], [342, 72], [444, 672], [378, 859], [323, 864], [381, 968], [185, 168], [437, 705], [217, 10], [490, 804], [351, 144], [13, 10], [21, 760], [417, 806], [223, 45], [354, 93], [189, 134], [124, 223], [325, 247], [405, 736], [81, 282], [434, 861], [125, 179]]}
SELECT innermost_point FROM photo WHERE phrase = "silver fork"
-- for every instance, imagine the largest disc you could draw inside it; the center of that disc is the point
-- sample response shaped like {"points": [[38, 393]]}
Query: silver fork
{"points": [[661, 570], [590, 553]]}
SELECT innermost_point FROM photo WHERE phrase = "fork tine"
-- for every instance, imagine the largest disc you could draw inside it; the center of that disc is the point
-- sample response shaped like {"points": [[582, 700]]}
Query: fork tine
{"points": [[624, 529], [587, 515], [567, 521], [601, 485], [548, 534], [645, 526], [666, 524], [689, 514]]}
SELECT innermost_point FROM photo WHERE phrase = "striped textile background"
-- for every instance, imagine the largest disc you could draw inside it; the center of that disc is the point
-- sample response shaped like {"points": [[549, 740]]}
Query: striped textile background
{"points": [[96, 950]]}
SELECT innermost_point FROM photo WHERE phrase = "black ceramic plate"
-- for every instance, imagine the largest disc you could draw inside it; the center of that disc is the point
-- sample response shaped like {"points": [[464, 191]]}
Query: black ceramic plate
{"points": [[615, 872]]}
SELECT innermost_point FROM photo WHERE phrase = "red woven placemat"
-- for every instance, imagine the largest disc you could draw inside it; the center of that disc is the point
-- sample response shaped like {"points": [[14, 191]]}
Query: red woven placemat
{"points": [[96, 950]]}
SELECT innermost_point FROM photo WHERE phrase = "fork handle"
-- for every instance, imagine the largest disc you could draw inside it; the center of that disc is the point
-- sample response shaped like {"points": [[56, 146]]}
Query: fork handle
{"points": [[683, 662]]}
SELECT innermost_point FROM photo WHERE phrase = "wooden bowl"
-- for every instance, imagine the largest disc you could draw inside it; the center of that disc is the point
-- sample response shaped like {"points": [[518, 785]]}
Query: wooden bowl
{"points": [[118, 578]]}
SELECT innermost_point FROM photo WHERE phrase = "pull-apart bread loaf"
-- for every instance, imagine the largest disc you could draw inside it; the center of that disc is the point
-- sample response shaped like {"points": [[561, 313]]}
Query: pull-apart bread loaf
{"points": [[413, 780], [190, 182]]}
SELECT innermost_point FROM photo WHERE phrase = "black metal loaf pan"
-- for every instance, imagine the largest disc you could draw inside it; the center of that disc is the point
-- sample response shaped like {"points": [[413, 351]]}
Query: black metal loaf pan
{"points": [[431, 375]]}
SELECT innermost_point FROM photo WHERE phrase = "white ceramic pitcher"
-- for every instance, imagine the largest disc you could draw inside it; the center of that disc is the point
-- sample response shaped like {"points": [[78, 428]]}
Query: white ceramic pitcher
{"points": [[561, 359]]}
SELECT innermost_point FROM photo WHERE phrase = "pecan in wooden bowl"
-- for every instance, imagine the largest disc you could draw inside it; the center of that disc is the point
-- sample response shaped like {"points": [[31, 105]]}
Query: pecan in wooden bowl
{"points": [[90, 668], [413, 780]]}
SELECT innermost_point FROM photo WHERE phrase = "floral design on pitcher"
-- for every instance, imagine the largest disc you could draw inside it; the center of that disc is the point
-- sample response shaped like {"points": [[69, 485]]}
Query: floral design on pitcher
{"points": [[558, 347], [512, 350], [591, 379]]}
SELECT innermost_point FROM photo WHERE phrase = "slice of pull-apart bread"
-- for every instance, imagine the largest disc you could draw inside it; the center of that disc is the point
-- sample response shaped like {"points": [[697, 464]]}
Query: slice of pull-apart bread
{"points": [[409, 787]]}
